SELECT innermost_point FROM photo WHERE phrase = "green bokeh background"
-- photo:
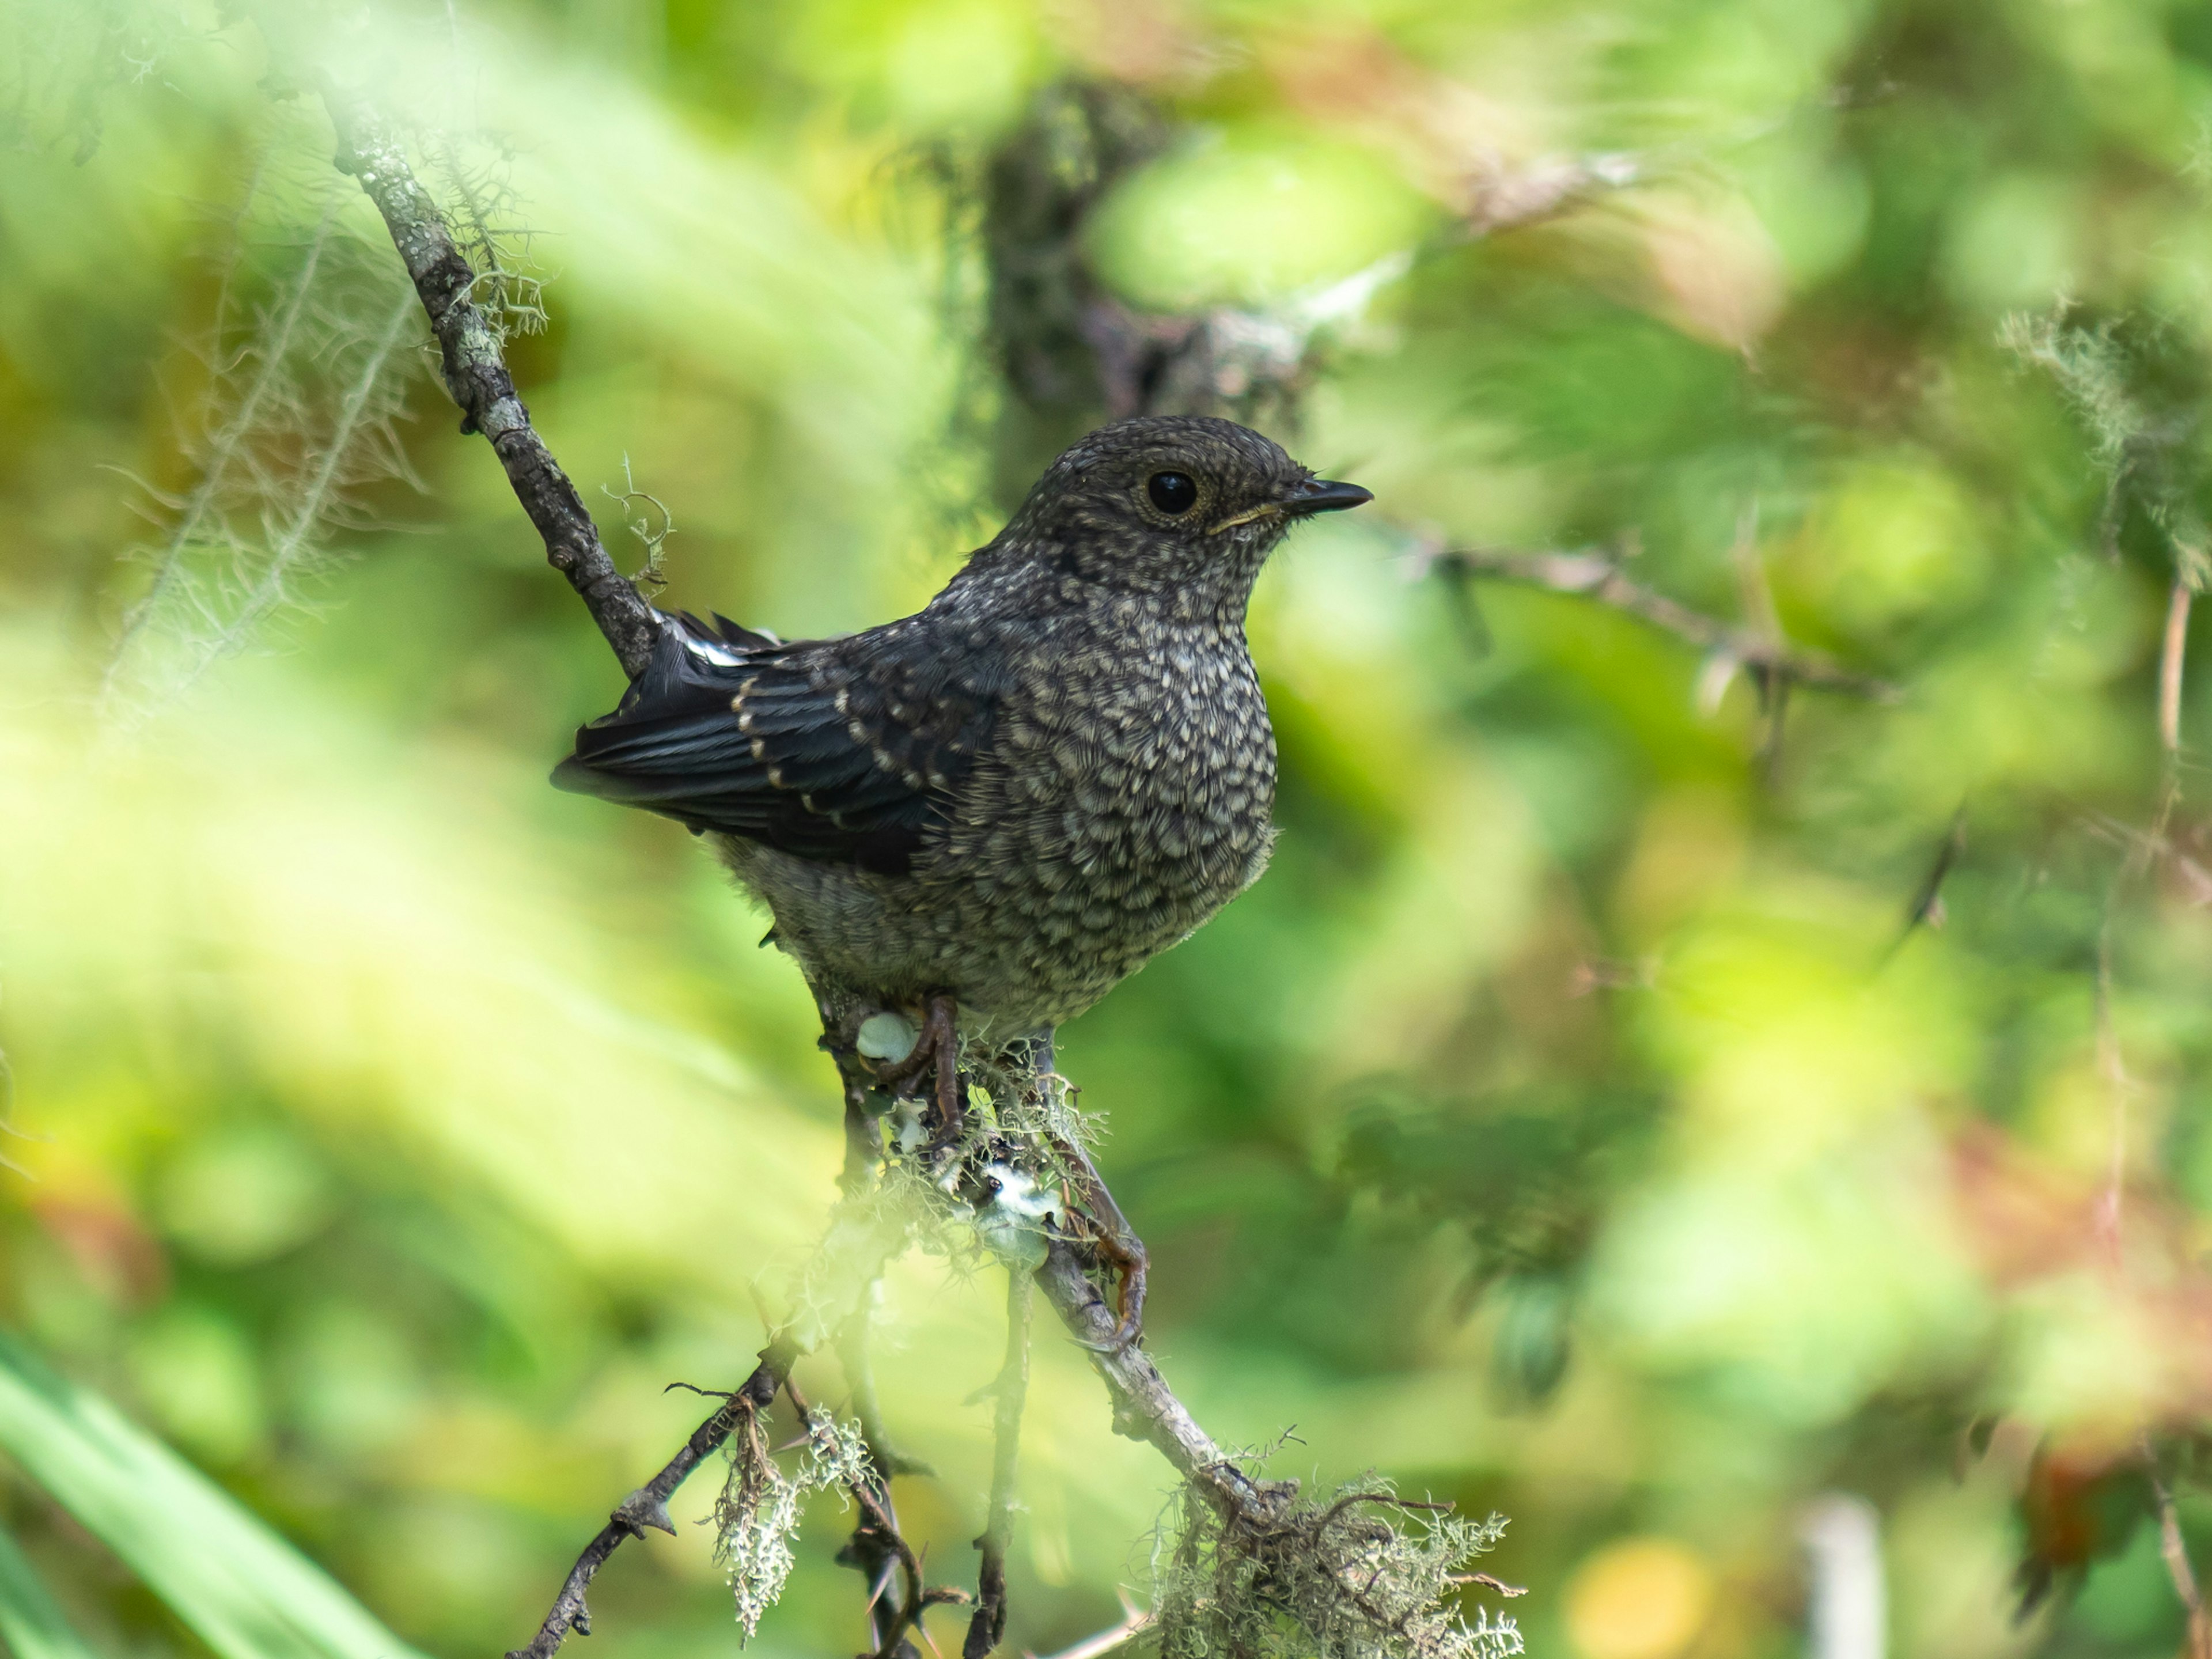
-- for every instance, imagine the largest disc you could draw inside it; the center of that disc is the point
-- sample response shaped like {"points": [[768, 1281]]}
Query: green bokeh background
{"points": [[1559, 1127]]}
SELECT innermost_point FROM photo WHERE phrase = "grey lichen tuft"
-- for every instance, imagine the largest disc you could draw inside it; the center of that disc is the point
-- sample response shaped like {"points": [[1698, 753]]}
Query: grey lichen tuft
{"points": [[2136, 387], [757, 1517], [291, 431], [472, 174], [652, 532], [1356, 1573]]}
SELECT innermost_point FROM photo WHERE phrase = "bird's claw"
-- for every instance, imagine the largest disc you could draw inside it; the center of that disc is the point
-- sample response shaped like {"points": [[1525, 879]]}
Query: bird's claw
{"points": [[1116, 1244], [937, 1051], [1125, 1255]]}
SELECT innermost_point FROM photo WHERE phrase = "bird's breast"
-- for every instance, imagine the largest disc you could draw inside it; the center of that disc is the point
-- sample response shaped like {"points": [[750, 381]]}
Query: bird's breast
{"points": [[1134, 788]]}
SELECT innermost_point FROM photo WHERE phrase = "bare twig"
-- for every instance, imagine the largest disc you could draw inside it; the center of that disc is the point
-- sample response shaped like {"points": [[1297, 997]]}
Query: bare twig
{"points": [[1145, 1408], [476, 373], [1139, 1620], [2175, 1551], [653, 573], [860, 1379], [1926, 909], [1593, 576], [2169, 665], [1488, 1582], [1509, 198], [989, 1623], [1765, 625], [2112, 1066]]}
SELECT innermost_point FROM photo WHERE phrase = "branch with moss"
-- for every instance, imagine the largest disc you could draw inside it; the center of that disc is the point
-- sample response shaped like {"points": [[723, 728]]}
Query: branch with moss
{"points": [[476, 375], [649, 1505], [864, 1233]]}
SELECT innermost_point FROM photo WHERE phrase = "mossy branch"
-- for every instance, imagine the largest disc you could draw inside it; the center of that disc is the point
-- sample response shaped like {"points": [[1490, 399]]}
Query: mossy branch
{"points": [[476, 375]]}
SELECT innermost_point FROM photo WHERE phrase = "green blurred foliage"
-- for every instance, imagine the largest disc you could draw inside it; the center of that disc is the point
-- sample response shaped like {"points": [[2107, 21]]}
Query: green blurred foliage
{"points": [[1568, 1124]]}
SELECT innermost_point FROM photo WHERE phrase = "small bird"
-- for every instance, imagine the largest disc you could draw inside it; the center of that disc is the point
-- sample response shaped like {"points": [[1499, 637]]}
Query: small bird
{"points": [[989, 813]]}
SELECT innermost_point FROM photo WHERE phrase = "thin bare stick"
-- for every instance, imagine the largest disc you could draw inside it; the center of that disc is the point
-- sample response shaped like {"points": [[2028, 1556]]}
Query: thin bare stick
{"points": [[476, 373], [2175, 1550], [1593, 576], [1842, 1535], [1506, 199], [1764, 624], [877, 1550], [860, 1370], [1488, 1582], [989, 1623], [2169, 665], [2112, 1066], [1926, 909], [1092, 1647]]}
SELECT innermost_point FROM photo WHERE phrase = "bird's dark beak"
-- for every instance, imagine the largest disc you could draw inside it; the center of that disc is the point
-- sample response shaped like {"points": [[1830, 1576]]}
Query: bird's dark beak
{"points": [[1325, 495]]}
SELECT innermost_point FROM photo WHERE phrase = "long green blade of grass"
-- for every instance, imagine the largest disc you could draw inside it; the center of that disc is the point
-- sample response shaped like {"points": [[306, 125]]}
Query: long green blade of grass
{"points": [[31, 1625], [247, 1593]]}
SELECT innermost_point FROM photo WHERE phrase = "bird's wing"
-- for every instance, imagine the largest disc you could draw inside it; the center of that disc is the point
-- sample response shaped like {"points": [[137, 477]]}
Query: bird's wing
{"points": [[841, 750]]}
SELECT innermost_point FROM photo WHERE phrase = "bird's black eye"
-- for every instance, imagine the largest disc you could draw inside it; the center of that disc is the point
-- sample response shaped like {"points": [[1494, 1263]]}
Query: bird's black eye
{"points": [[1171, 492]]}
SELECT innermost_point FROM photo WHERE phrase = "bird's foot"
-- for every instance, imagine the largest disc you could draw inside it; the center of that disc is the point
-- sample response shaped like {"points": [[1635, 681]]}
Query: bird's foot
{"points": [[935, 1055], [1109, 1234]]}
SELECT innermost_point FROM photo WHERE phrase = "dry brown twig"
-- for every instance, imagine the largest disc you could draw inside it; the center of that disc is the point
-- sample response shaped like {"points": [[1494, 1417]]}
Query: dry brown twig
{"points": [[1135, 1622], [1595, 574], [2173, 644], [1507, 199], [2175, 1553]]}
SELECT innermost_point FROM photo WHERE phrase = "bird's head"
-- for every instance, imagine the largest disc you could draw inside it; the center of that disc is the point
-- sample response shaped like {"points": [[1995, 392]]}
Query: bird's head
{"points": [[1183, 506]]}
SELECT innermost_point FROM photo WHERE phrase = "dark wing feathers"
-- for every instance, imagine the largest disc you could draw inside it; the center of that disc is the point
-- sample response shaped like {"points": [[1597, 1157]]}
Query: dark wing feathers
{"points": [[842, 750]]}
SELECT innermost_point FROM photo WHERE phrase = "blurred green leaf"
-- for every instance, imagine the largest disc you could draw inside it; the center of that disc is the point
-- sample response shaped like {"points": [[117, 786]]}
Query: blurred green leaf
{"points": [[243, 1590], [32, 1624]]}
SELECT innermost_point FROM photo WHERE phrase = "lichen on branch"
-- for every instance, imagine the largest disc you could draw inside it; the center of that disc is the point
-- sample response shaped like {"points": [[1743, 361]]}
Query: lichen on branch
{"points": [[1357, 1573]]}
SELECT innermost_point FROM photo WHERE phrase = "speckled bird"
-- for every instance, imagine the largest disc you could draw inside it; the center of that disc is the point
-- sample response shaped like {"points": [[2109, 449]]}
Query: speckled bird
{"points": [[1011, 799]]}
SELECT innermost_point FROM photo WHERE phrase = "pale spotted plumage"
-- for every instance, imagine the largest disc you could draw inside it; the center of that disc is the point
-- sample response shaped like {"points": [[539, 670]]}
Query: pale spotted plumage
{"points": [[1059, 768]]}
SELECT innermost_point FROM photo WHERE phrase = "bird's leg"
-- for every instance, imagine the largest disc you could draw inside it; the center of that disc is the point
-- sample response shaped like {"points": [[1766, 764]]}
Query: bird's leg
{"points": [[939, 1047], [1111, 1236]]}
